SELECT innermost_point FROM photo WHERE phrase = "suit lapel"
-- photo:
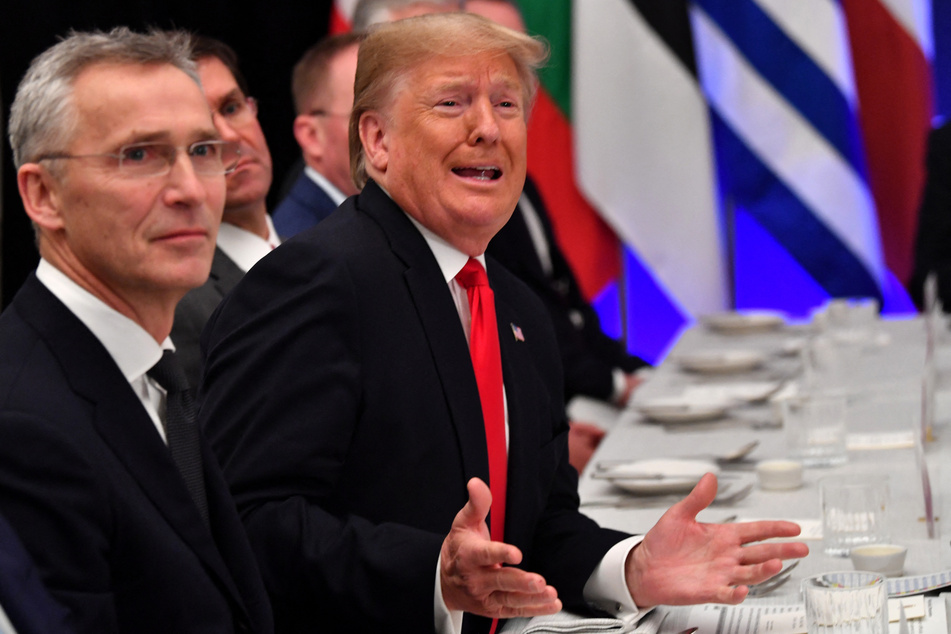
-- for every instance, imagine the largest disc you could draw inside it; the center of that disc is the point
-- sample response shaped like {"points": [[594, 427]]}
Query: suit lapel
{"points": [[444, 333], [123, 423], [224, 272]]}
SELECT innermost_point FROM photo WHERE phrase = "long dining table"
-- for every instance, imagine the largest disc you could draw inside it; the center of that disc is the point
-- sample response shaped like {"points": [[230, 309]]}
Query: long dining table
{"points": [[887, 395]]}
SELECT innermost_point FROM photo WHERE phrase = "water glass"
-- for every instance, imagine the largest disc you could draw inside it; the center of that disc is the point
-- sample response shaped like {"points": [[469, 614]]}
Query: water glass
{"points": [[815, 428], [846, 603], [853, 512]]}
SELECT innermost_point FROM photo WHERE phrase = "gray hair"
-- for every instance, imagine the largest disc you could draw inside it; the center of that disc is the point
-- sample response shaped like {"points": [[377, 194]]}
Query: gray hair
{"points": [[392, 51], [43, 116]]}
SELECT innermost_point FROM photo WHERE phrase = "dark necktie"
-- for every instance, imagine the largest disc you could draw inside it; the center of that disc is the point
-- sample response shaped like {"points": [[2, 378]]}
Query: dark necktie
{"points": [[487, 363], [181, 427]]}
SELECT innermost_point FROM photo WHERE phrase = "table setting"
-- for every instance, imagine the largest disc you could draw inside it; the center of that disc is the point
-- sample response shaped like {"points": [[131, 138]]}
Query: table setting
{"points": [[841, 424]]}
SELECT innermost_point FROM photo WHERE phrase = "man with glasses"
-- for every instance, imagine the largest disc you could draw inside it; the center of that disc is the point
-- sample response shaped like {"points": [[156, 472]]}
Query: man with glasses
{"points": [[103, 474], [322, 84], [246, 233]]}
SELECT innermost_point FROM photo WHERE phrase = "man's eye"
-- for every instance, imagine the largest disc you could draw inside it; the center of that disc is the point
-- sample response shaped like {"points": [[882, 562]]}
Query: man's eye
{"points": [[230, 109], [202, 150], [448, 102], [138, 153]]}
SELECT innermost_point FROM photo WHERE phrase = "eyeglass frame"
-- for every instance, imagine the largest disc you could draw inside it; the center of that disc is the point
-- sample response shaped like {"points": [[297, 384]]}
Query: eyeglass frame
{"points": [[169, 159]]}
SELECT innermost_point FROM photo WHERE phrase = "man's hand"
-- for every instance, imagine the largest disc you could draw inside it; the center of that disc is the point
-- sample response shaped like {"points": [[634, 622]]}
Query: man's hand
{"points": [[682, 561], [583, 439], [631, 383], [472, 573]]}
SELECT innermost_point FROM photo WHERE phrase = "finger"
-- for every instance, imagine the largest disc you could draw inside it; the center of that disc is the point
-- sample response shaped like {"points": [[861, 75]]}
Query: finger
{"points": [[759, 531], [512, 604], [475, 511], [483, 553], [699, 498], [764, 552]]}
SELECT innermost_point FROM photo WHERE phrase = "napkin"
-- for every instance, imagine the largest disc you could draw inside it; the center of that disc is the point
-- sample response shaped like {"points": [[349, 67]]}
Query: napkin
{"points": [[569, 623]]}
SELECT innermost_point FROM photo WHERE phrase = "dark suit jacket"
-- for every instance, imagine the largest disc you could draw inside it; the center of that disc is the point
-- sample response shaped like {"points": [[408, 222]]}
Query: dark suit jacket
{"points": [[340, 397], [305, 205], [933, 244], [23, 597], [92, 490], [196, 307], [589, 356]]}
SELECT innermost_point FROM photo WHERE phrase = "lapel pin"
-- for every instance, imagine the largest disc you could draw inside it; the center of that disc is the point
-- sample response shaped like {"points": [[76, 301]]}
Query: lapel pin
{"points": [[517, 332]]}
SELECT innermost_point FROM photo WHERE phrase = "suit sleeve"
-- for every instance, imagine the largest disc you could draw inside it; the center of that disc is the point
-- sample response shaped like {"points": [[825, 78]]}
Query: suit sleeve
{"points": [[933, 243], [280, 402], [51, 495]]}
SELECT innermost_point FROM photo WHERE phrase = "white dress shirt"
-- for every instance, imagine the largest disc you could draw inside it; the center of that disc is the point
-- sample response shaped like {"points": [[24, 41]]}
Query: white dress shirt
{"points": [[130, 346], [244, 247], [606, 588], [329, 188]]}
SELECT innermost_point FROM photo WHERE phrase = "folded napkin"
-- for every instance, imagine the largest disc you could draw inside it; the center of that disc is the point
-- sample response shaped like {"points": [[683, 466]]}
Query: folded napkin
{"points": [[569, 623], [563, 623]]}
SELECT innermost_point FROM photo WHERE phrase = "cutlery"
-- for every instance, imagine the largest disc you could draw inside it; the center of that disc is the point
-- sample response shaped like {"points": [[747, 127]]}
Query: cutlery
{"points": [[773, 582]]}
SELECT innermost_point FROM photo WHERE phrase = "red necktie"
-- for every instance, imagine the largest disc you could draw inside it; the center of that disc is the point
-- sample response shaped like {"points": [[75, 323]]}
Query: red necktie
{"points": [[487, 363]]}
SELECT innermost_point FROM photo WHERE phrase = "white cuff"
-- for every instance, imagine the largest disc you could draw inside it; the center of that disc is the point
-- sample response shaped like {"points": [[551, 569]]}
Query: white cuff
{"points": [[606, 589], [447, 621]]}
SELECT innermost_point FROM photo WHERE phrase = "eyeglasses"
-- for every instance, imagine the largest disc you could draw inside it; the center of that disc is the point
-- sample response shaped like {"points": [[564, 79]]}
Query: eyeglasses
{"points": [[324, 113], [139, 160], [238, 111]]}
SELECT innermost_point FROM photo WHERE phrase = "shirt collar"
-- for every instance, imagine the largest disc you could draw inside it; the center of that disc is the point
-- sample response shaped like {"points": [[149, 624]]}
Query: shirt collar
{"points": [[244, 247], [450, 259], [130, 346], [331, 190]]}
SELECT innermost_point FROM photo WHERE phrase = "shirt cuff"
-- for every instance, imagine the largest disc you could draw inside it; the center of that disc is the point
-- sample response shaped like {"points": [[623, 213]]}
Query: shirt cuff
{"points": [[619, 379], [606, 589], [447, 621]]}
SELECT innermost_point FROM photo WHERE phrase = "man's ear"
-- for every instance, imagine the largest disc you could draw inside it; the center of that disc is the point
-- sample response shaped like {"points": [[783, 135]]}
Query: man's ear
{"points": [[310, 136], [372, 127], [41, 197]]}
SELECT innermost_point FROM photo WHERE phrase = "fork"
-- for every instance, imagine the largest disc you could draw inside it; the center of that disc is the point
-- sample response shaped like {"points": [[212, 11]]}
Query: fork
{"points": [[765, 587]]}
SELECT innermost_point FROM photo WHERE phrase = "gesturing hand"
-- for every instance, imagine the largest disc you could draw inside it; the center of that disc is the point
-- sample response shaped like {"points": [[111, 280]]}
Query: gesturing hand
{"points": [[682, 561], [472, 573]]}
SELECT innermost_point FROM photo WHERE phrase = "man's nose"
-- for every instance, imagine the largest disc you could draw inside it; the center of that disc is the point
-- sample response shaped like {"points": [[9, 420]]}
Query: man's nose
{"points": [[483, 121]]}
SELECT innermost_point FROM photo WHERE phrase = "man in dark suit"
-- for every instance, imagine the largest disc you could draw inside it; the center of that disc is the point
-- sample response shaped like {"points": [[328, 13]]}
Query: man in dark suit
{"points": [[322, 84], [246, 233], [24, 601], [352, 422], [102, 471], [933, 244]]}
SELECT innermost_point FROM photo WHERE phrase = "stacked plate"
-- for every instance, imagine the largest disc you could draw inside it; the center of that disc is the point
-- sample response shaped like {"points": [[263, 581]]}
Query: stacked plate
{"points": [[659, 476], [721, 361], [682, 410], [741, 323]]}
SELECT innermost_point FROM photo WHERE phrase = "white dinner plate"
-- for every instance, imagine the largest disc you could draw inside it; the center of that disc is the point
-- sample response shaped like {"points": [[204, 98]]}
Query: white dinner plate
{"points": [[681, 410], [742, 391], [721, 361], [678, 475], [744, 322]]}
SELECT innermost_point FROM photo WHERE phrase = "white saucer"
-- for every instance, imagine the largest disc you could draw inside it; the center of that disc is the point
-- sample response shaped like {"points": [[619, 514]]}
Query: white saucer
{"points": [[681, 410], [721, 361], [679, 475], [744, 322], [742, 391]]}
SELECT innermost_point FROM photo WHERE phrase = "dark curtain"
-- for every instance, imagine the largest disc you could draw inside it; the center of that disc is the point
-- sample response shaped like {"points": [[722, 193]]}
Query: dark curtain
{"points": [[268, 37]]}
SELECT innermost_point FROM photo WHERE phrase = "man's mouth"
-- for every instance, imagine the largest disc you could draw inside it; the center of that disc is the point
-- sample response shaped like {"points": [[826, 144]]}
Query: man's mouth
{"points": [[484, 173]]}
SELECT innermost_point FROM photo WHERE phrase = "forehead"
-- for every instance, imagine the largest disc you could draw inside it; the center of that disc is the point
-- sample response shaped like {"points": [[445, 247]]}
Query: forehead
{"points": [[490, 69], [217, 80], [124, 100]]}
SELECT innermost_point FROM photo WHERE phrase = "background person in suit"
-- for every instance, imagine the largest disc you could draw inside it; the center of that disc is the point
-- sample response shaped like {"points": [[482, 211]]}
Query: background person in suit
{"points": [[350, 476], [322, 84], [246, 234], [121, 171], [933, 243]]}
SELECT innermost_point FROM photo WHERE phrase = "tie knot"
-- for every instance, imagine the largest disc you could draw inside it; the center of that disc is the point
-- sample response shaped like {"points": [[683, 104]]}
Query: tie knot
{"points": [[472, 274], [168, 373]]}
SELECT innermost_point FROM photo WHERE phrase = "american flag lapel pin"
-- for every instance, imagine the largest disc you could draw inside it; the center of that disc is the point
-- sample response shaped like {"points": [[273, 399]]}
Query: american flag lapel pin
{"points": [[517, 332]]}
